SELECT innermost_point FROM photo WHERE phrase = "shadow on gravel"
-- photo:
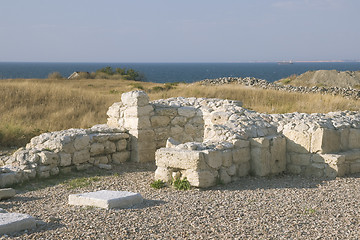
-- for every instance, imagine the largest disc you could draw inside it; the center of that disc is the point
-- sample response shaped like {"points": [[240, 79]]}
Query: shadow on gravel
{"points": [[148, 203], [275, 182]]}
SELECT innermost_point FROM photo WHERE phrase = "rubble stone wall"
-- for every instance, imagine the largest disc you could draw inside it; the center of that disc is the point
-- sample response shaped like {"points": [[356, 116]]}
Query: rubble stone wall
{"points": [[61, 152]]}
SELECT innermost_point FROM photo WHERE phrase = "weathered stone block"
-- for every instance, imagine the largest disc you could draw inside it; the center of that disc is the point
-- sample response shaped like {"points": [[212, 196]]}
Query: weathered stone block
{"points": [[224, 176], [96, 149], [137, 123], [294, 169], [213, 158], [15, 222], [201, 178], [82, 142], [163, 173], [325, 141], [344, 139], [241, 155], [49, 158], [232, 170], [354, 138], [120, 157], [135, 98], [109, 147], [297, 142], [180, 158], [159, 121], [302, 159], [166, 111], [243, 169], [179, 120], [239, 143], [227, 156], [6, 193], [278, 154], [138, 111], [81, 157], [188, 112], [65, 159], [262, 142], [121, 145], [260, 161]]}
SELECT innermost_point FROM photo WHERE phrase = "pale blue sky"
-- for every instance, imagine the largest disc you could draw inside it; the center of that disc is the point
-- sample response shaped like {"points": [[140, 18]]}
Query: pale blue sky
{"points": [[178, 31]]}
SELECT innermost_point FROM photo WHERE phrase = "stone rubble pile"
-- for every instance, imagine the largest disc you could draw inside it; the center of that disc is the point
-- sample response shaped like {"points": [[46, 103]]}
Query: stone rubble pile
{"points": [[64, 151], [348, 92]]}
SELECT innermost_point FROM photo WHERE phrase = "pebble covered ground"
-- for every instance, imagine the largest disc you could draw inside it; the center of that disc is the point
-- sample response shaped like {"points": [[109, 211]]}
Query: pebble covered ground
{"points": [[278, 207]]}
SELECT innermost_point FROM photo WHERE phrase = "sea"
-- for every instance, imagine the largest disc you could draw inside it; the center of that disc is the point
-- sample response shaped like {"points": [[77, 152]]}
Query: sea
{"points": [[176, 72]]}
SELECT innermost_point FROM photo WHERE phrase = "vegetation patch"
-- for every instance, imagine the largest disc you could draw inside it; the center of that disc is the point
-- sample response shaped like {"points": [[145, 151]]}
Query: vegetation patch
{"points": [[157, 184], [81, 182], [181, 184]]}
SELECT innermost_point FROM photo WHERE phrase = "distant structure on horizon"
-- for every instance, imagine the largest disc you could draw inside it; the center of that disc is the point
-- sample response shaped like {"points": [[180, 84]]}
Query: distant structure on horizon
{"points": [[285, 62]]}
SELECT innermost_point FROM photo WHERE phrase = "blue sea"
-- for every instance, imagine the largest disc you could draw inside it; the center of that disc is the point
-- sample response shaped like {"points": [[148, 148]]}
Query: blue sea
{"points": [[175, 72]]}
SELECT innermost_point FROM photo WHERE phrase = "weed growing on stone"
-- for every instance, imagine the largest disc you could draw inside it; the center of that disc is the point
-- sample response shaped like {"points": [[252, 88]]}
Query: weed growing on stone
{"points": [[81, 182], [181, 184], [157, 184]]}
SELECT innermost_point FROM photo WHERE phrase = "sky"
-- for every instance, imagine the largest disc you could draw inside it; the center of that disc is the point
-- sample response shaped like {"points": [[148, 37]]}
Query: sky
{"points": [[179, 31]]}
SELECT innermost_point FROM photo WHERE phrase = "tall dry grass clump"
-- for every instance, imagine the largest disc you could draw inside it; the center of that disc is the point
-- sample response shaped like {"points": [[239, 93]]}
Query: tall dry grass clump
{"points": [[32, 106]]}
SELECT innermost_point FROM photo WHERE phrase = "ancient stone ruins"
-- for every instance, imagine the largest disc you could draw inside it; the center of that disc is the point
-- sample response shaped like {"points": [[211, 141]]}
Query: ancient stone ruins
{"points": [[208, 141]]}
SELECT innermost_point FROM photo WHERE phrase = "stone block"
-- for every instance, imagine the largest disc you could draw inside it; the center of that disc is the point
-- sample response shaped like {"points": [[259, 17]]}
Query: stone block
{"points": [[180, 158], [260, 161], [297, 142], [121, 145], [163, 173], [54, 171], [191, 130], [262, 142], [201, 178], [278, 154], [120, 157], [109, 147], [135, 98], [314, 171], [224, 176], [243, 169], [81, 157], [167, 111], [65, 159], [106, 199], [136, 111], [96, 149], [15, 222], [354, 138], [352, 155], [188, 112], [118, 136], [137, 122], [232, 170], [159, 121], [325, 140], [179, 120], [227, 156], [355, 167], [241, 155], [49, 158], [302, 159], [239, 143], [294, 169], [213, 158], [82, 142], [143, 155], [331, 159], [6, 193], [344, 139]]}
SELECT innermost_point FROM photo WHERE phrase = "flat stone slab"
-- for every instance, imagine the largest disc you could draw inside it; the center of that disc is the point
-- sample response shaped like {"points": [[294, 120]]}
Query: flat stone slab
{"points": [[106, 199], [15, 222], [6, 193]]}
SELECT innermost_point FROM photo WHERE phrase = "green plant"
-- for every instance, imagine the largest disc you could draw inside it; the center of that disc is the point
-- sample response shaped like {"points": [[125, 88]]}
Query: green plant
{"points": [[114, 91], [310, 211], [81, 182], [181, 184], [157, 184]]}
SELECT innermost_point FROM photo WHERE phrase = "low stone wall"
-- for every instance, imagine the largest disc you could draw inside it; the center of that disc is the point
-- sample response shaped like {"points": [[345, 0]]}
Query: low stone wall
{"points": [[261, 83], [60, 152]]}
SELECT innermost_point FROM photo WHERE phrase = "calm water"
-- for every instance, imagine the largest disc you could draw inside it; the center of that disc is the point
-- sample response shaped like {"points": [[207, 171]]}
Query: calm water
{"points": [[175, 72]]}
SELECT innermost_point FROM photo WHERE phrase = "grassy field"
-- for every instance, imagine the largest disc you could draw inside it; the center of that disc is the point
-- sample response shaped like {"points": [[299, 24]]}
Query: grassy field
{"points": [[32, 106]]}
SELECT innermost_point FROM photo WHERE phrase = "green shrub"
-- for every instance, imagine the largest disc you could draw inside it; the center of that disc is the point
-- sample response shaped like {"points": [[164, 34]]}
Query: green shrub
{"points": [[137, 85], [181, 184], [157, 184]]}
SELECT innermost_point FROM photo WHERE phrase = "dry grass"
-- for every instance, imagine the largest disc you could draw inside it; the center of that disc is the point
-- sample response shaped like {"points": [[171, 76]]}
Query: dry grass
{"points": [[31, 106]]}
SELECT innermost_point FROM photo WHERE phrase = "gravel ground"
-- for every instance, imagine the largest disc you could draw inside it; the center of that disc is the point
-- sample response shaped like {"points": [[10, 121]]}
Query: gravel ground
{"points": [[281, 207]]}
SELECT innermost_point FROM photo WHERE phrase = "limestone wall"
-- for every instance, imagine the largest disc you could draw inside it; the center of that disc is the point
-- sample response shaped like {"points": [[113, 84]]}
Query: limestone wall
{"points": [[60, 152]]}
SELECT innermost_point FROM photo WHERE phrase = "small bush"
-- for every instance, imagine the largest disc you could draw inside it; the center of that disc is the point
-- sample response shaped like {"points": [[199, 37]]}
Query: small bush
{"points": [[137, 85], [157, 184], [181, 184], [55, 75], [81, 182]]}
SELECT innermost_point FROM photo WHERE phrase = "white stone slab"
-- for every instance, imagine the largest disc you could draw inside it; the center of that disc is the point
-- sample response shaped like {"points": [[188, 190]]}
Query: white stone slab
{"points": [[106, 199], [14, 222]]}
